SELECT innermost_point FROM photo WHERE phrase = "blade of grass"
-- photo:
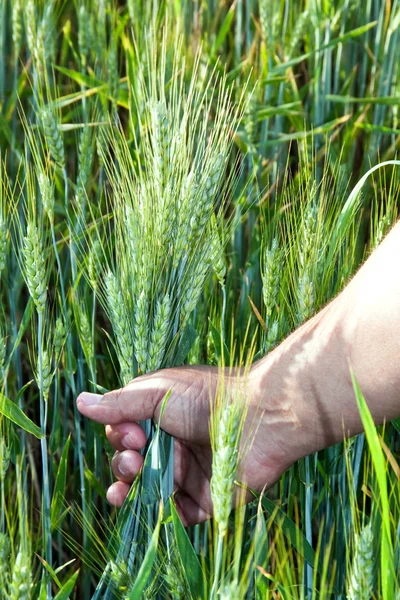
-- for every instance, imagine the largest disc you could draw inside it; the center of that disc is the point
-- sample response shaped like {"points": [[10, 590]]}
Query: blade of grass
{"points": [[191, 564], [144, 573], [17, 416], [378, 461]]}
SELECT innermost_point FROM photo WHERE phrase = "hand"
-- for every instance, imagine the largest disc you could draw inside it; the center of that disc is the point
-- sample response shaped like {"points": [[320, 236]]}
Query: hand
{"points": [[186, 417], [300, 395]]}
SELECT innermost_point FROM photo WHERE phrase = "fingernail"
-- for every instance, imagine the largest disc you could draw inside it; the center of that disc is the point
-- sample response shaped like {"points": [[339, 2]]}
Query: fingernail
{"points": [[126, 441], [90, 399], [123, 467]]}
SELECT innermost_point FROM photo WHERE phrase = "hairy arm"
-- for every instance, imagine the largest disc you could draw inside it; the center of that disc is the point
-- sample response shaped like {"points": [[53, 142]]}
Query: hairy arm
{"points": [[308, 374]]}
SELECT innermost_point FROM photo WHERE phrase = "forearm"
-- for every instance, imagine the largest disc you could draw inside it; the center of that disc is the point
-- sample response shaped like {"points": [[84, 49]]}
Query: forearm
{"points": [[309, 372]]}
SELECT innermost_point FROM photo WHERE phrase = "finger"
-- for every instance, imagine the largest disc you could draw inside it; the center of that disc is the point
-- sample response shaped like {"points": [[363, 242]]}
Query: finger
{"points": [[126, 465], [126, 436], [191, 478], [189, 512], [187, 409], [117, 492]]}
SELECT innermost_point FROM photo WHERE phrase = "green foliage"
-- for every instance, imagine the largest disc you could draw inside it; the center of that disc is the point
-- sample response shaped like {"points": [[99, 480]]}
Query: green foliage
{"points": [[186, 182]]}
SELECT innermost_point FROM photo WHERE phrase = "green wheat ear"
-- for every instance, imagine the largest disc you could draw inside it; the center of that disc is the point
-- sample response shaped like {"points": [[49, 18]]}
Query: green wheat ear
{"points": [[5, 549], [16, 20], [224, 465], [360, 582], [46, 375], [271, 275], [21, 580], [120, 321], [53, 135], [34, 266], [47, 194]]}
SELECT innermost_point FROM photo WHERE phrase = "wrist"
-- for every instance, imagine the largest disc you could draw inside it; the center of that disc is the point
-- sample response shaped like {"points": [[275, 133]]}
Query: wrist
{"points": [[289, 388], [278, 399]]}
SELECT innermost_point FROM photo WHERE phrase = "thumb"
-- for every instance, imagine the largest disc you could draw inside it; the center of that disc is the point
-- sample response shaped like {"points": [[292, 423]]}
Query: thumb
{"points": [[136, 401], [191, 388]]}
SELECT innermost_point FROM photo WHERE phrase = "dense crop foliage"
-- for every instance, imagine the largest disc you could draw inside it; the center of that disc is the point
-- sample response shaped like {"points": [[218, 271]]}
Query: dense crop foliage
{"points": [[186, 183]]}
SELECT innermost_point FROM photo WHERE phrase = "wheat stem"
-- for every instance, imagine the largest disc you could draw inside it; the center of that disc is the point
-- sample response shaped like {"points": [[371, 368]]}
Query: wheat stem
{"points": [[47, 539], [218, 567]]}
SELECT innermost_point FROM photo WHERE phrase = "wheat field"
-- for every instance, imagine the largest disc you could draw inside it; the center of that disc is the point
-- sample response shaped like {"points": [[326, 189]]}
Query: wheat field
{"points": [[186, 183]]}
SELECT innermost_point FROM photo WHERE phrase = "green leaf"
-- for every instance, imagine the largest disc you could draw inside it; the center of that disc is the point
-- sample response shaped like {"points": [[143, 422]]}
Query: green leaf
{"points": [[86, 80], [152, 471], [99, 388], [5, 128], [186, 342], [74, 126], [388, 100], [290, 530], [59, 487], [220, 346], [190, 561], [52, 574], [14, 444], [65, 592], [284, 109], [23, 325], [43, 590], [22, 391], [379, 463], [94, 483], [284, 592], [301, 135], [339, 40], [64, 566], [10, 410], [147, 564], [378, 129], [260, 550], [224, 30], [396, 424], [76, 97], [154, 463], [349, 210], [93, 84]]}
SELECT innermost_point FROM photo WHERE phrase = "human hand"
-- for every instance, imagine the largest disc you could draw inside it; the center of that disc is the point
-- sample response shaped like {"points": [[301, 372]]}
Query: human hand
{"points": [[300, 396], [186, 418]]}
